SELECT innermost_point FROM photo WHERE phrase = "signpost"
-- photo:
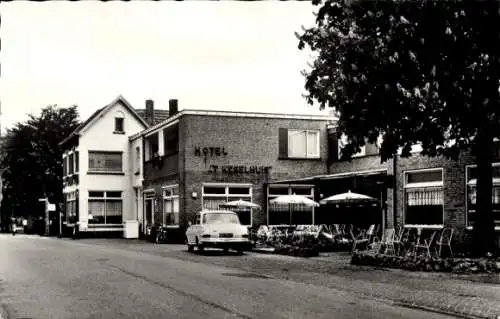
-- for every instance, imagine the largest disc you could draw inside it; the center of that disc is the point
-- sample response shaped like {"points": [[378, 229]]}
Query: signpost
{"points": [[49, 208]]}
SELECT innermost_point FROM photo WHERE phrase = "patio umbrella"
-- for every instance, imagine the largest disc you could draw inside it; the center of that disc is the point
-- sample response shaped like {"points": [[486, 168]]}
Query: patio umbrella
{"points": [[348, 198], [240, 204], [293, 200]]}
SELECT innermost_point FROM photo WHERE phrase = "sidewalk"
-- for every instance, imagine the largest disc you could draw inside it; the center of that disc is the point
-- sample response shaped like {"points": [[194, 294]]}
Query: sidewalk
{"points": [[468, 296]]}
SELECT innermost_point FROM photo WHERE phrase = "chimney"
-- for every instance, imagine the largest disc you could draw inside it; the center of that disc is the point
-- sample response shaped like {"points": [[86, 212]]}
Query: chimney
{"points": [[150, 112], [172, 107]]}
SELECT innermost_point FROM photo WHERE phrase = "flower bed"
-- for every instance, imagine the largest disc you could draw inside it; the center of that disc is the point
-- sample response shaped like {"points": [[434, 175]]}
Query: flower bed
{"points": [[455, 265]]}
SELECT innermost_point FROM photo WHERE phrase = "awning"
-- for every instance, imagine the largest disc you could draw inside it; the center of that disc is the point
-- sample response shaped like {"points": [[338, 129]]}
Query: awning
{"points": [[355, 173], [332, 176]]}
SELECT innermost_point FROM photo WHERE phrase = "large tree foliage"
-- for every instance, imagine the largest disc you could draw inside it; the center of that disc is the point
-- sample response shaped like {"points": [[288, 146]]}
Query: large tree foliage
{"points": [[33, 161], [423, 72]]}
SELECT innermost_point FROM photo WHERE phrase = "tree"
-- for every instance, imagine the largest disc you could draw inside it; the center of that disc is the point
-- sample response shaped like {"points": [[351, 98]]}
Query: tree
{"points": [[415, 72], [33, 161]]}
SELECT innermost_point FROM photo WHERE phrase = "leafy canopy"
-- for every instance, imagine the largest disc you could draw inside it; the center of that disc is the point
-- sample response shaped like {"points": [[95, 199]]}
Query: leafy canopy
{"points": [[413, 71], [32, 160]]}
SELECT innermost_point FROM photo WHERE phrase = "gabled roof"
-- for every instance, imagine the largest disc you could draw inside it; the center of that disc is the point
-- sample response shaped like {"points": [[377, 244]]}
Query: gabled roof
{"points": [[102, 111]]}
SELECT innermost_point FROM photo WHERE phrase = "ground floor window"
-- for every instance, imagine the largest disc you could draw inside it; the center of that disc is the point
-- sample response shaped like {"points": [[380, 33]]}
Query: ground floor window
{"points": [[71, 205], [213, 195], [424, 198], [471, 178], [105, 207], [171, 205], [285, 214]]}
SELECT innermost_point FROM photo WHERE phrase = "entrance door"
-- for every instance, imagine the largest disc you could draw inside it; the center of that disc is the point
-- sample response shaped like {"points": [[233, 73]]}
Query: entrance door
{"points": [[148, 214]]}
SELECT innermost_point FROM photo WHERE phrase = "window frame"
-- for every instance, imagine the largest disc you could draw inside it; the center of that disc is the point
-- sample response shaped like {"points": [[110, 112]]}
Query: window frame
{"points": [[119, 120], [70, 198], [104, 200], [171, 198], [317, 143], [137, 160], [425, 185], [496, 183], [229, 197], [65, 165], [93, 171], [71, 163], [76, 166]]}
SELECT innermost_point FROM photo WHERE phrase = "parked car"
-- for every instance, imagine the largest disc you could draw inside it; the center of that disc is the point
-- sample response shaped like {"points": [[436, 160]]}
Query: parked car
{"points": [[217, 229]]}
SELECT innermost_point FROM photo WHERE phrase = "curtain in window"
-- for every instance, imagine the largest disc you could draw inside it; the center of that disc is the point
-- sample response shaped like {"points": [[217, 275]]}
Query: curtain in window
{"points": [[312, 143], [496, 195], [105, 162], [171, 211], [297, 144], [213, 203], [425, 197], [113, 211], [424, 206], [97, 210]]}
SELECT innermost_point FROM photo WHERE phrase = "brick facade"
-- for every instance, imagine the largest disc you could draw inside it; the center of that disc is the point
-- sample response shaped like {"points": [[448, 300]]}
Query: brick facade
{"points": [[210, 143], [251, 142]]}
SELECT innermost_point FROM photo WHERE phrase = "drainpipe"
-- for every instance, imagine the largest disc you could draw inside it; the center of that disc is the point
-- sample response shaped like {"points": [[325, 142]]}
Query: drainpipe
{"points": [[394, 189]]}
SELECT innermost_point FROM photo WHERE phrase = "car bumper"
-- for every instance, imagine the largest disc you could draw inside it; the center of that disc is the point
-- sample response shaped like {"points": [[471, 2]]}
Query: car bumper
{"points": [[234, 243]]}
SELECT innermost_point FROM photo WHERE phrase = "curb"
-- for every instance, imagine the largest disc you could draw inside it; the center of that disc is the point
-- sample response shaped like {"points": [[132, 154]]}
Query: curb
{"points": [[262, 251]]}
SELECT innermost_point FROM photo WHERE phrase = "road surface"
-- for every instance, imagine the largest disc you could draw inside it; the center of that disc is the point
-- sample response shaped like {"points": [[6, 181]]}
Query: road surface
{"points": [[50, 278]]}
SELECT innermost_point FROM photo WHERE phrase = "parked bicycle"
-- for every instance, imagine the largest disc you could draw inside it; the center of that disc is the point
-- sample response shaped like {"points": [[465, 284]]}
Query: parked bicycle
{"points": [[159, 234]]}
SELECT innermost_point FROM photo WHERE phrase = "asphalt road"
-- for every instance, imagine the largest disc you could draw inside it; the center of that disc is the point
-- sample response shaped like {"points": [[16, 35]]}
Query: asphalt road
{"points": [[50, 278]]}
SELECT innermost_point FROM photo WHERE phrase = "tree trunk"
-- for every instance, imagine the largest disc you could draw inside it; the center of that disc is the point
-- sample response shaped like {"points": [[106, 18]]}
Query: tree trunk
{"points": [[484, 226]]}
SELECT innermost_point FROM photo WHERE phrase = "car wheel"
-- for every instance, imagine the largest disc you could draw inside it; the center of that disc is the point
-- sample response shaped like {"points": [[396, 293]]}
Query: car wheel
{"points": [[199, 246], [225, 250], [239, 252]]}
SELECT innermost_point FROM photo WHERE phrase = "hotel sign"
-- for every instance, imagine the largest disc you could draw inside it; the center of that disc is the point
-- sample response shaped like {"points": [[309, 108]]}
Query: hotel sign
{"points": [[234, 169], [210, 151]]}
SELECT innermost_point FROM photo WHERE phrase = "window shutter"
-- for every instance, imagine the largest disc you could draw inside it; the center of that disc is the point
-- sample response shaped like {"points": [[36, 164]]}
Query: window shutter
{"points": [[283, 143], [333, 147]]}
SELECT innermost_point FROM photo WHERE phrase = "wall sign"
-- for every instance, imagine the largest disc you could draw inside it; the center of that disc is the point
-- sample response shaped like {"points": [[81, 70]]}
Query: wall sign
{"points": [[245, 169], [210, 151]]}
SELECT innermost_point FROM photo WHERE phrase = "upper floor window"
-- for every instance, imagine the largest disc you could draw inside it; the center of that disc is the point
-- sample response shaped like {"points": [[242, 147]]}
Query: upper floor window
{"points": [[367, 149], [65, 166], [299, 143], [424, 197], [77, 163], [71, 164], [105, 161], [119, 128], [137, 160]]}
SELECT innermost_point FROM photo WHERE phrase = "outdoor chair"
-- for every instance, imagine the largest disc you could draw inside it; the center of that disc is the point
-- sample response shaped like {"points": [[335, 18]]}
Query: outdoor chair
{"points": [[398, 240], [425, 245], [363, 237], [445, 240], [387, 241]]}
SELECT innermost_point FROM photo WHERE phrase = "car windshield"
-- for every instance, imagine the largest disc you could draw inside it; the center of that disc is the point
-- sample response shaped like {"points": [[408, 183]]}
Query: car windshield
{"points": [[220, 218]]}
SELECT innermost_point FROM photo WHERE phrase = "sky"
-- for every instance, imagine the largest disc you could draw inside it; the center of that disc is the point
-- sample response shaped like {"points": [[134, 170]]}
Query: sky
{"points": [[232, 55]]}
